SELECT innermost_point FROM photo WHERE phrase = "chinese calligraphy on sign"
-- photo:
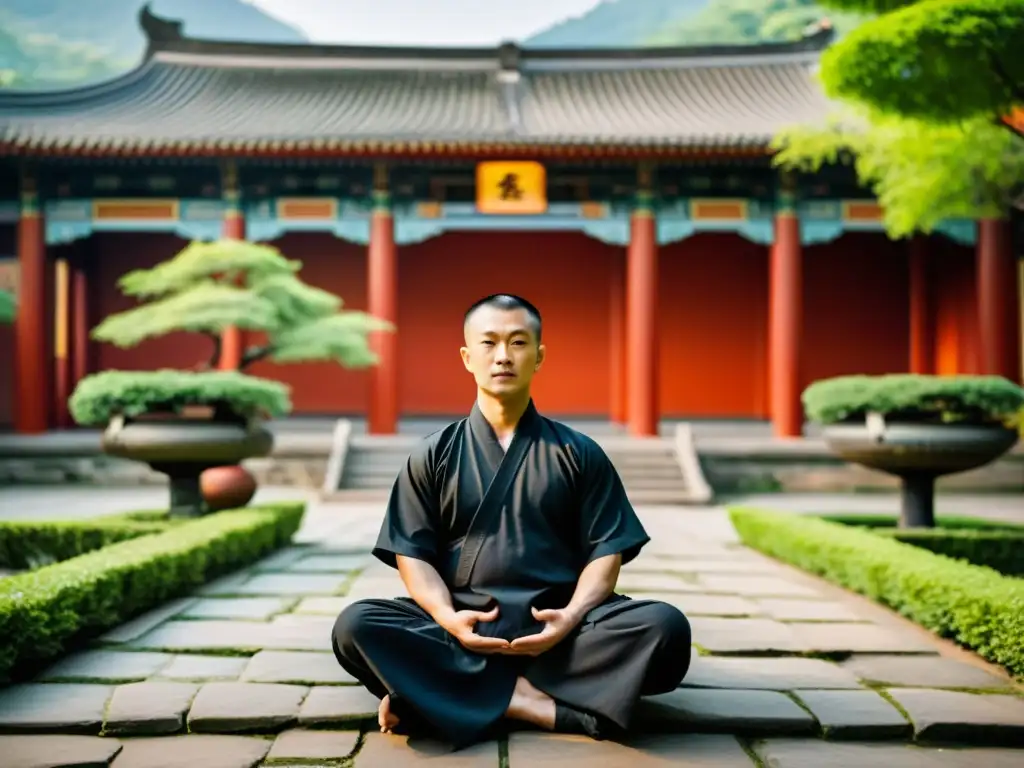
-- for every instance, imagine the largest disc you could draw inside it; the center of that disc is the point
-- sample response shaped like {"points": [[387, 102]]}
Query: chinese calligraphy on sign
{"points": [[511, 188]]}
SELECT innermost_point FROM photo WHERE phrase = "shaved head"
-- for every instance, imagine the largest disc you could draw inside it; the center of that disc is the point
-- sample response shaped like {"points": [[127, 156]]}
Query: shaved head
{"points": [[509, 303]]}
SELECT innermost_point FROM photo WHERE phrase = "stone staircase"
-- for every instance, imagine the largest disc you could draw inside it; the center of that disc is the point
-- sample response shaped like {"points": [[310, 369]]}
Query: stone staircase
{"points": [[653, 470]]}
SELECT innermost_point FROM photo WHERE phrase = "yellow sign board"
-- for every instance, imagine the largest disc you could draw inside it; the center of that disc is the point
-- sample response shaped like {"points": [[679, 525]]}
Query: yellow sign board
{"points": [[511, 188]]}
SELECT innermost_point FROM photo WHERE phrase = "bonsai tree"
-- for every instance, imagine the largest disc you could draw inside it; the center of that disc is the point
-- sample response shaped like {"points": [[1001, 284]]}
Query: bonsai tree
{"points": [[917, 428], [8, 307], [926, 93], [207, 289]]}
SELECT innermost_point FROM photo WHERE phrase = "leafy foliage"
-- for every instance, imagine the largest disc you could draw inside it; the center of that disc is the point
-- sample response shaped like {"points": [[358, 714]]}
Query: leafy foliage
{"points": [[921, 173], [48, 611], [209, 287], [914, 397], [940, 60], [749, 21], [972, 605], [8, 307], [103, 395]]}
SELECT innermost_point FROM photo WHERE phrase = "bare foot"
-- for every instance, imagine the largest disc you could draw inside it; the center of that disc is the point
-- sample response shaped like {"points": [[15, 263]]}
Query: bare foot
{"points": [[531, 706], [386, 719]]}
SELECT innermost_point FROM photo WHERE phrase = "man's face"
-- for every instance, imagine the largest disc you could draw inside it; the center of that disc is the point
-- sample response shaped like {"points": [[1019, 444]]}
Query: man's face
{"points": [[501, 350]]}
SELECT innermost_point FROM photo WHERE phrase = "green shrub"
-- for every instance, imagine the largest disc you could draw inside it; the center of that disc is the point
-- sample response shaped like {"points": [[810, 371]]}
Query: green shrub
{"points": [[131, 393], [8, 307], [995, 544], [47, 611], [912, 397], [973, 605], [25, 545]]}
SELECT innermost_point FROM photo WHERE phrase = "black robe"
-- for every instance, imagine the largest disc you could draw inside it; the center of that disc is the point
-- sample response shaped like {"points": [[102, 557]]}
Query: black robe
{"points": [[515, 529]]}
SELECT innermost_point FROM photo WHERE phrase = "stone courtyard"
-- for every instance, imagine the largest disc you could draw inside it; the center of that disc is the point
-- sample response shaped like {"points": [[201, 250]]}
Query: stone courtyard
{"points": [[787, 672]]}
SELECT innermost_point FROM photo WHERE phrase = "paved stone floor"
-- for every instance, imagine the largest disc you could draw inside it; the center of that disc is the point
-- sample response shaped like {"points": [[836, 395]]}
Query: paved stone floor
{"points": [[787, 672]]}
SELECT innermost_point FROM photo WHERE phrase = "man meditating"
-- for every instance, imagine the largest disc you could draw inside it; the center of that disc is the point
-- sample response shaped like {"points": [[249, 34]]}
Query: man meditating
{"points": [[508, 530]]}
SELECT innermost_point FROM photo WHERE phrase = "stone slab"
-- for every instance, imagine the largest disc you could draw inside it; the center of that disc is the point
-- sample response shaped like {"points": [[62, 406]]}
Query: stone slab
{"points": [[327, 606], [291, 584], [855, 715], [966, 718], [239, 707], [311, 623], [149, 708], [246, 637], [313, 745], [697, 604], [339, 563], [143, 623], [542, 750], [338, 705], [739, 713], [281, 560], [692, 566], [254, 608], [844, 637], [387, 751], [811, 753], [106, 666], [193, 751], [53, 751], [923, 671], [755, 586], [639, 583], [807, 610], [204, 668], [307, 668], [719, 635], [225, 585], [59, 707], [768, 674]]}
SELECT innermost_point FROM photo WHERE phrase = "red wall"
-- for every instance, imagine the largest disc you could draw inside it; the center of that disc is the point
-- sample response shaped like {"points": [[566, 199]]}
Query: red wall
{"points": [[566, 275]]}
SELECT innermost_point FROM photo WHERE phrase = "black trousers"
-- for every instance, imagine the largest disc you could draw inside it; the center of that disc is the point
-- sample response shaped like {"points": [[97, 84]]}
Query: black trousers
{"points": [[622, 650]]}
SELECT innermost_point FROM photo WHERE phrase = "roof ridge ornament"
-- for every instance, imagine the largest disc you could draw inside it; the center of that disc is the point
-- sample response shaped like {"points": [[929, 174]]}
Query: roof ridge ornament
{"points": [[159, 29]]}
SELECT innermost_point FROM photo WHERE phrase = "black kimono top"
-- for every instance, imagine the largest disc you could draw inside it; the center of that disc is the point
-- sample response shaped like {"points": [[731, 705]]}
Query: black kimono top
{"points": [[565, 507]]}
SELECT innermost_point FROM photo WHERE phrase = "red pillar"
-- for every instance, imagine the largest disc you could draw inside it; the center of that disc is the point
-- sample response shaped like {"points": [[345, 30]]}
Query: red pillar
{"points": [[642, 320], [62, 342], [922, 325], [617, 341], [785, 306], [33, 379], [382, 291], [232, 340], [998, 313], [80, 346]]}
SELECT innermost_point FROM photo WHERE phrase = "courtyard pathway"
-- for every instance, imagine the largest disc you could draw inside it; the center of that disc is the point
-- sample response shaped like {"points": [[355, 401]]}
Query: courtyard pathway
{"points": [[787, 671]]}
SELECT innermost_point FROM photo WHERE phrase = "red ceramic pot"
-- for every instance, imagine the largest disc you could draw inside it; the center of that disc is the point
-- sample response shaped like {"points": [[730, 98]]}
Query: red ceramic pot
{"points": [[227, 487]]}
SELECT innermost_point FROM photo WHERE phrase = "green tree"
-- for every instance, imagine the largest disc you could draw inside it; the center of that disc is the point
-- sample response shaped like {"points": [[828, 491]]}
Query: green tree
{"points": [[927, 158], [210, 287], [938, 60], [8, 307]]}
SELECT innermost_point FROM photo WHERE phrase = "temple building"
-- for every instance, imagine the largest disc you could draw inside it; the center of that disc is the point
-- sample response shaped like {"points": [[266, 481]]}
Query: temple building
{"points": [[628, 193]]}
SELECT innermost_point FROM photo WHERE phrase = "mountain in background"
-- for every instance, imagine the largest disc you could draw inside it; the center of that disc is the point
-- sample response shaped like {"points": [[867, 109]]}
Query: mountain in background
{"points": [[639, 23], [65, 43], [615, 23]]}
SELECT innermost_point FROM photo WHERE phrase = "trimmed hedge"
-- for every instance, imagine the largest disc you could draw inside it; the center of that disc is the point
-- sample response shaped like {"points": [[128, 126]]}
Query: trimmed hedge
{"points": [[27, 545], [973, 605], [45, 612], [994, 544]]}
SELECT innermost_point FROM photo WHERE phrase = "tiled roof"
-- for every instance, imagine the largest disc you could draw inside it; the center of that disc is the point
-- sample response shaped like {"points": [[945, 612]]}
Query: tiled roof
{"points": [[241, 96]]}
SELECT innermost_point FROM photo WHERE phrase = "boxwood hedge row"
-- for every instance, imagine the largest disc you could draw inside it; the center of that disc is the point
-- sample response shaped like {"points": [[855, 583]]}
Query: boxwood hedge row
{"points": [[44, 612], [973, 605]]}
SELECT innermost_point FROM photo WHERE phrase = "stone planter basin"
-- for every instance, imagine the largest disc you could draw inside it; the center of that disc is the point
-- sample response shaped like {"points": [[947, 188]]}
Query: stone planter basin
{"points": [[905, 448], [918, 454], [183, 447]]}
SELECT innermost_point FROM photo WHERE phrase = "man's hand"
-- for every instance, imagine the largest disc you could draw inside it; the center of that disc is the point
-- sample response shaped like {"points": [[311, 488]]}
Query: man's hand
{"points": [[462, 626], [557, 624]]}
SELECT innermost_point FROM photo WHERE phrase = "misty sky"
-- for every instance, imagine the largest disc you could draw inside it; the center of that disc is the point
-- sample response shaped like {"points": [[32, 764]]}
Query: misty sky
{"points": [[434, 22]]}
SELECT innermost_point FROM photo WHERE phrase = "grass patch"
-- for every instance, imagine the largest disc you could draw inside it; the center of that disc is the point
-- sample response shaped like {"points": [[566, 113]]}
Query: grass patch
{"points": [[973, 605], [49, 610]]}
